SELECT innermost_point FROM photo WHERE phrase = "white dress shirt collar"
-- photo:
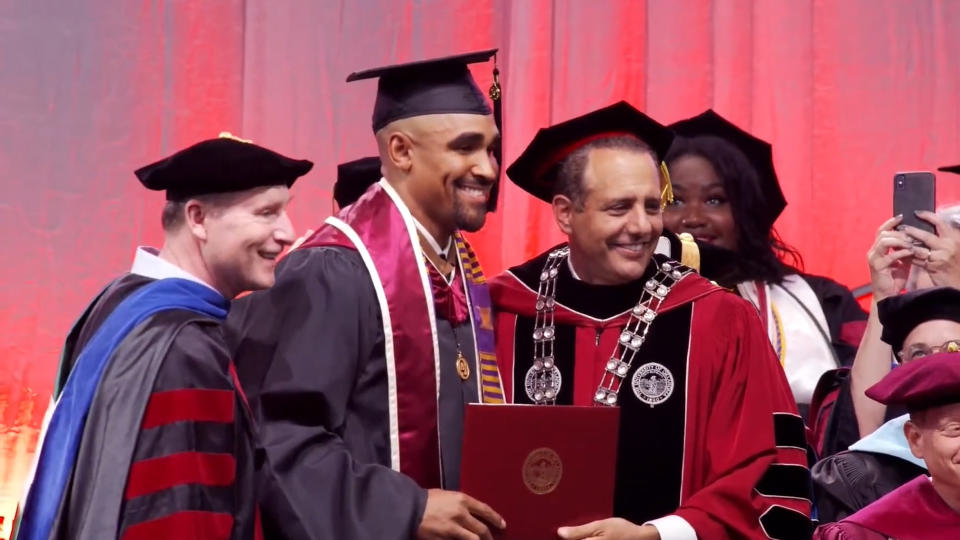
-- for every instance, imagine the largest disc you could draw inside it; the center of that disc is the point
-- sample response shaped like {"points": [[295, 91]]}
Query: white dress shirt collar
{"points": [[147, 263]]}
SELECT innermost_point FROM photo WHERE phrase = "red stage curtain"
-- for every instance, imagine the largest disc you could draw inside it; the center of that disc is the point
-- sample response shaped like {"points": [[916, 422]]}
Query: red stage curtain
{"points": [[848, 92]]}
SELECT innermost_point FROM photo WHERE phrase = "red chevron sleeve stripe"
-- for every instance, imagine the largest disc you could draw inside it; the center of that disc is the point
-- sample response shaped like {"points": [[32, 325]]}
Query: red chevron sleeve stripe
{"points": [[189, 405], [156, 474]]}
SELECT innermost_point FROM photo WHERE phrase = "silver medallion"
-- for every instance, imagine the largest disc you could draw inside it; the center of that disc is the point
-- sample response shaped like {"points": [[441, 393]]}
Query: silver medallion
{"points": [[551, 383], [652, 383]]}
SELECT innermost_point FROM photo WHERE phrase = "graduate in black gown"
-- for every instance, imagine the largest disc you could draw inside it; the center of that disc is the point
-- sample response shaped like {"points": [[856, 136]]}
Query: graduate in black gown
{"points": [[727, 194], [150, 436], [360, 362]]}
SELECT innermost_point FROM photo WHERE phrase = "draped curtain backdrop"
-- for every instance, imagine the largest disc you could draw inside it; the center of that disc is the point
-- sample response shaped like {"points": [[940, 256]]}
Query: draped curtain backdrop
{"points": [[848, 92]]}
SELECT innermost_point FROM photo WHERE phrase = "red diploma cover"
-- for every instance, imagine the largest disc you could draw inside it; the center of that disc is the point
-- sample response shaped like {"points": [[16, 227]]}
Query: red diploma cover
{"points": [[541, 467]]}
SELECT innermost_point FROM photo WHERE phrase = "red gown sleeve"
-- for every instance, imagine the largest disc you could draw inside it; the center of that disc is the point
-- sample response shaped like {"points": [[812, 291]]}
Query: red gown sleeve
{"points": [[505, 331], [746, 468]]}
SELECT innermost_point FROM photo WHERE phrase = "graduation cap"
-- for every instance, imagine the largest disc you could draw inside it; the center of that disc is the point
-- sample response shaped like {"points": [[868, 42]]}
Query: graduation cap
{"points": [[927, 382], [758, 152], [536, 170], [436, 86], [353, 179], [899, 315], [220, 165], [955, 169]]}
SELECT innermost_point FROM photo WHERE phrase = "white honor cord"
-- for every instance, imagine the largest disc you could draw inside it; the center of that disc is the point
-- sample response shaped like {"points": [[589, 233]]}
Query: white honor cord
{"points": [[433, 241]]}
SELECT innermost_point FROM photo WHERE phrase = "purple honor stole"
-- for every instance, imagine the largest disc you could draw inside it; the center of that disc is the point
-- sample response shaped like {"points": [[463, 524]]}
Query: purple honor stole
{"points": [[481, 317], [380, 228]]}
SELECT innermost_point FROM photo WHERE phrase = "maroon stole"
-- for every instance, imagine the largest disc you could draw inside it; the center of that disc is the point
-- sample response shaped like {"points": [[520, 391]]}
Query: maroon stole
{"points": [[379, 227], [914, 511]]}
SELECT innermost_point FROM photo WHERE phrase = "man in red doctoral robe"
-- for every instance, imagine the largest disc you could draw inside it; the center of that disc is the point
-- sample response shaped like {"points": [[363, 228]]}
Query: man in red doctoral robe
{"points": [[927, 507], [710, 442]]}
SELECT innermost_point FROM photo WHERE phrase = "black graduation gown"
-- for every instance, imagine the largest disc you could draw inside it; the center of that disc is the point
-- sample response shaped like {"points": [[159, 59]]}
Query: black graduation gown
{"points": [[848, 481], [310, 355], [845, 318], [167, 447]]}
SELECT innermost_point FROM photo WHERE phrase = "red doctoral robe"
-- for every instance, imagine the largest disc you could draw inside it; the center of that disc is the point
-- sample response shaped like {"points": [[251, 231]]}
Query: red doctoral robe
{"points": [[914, 511], [724, 450]]}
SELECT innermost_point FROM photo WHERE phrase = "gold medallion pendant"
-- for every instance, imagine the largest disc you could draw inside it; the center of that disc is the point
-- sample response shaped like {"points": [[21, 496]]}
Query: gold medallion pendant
{"points": [[463, 368]]}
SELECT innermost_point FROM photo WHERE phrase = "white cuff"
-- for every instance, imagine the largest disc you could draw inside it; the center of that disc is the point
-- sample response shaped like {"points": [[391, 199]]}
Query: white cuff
{"points": [[673, 527]]}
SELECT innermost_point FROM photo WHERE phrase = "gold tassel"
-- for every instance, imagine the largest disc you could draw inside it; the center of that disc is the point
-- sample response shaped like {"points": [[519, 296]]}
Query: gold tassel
{"points": [[666, 194]]}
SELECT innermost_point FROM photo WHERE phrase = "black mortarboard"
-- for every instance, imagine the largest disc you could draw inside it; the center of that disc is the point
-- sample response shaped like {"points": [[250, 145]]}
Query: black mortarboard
{"points": [[899, 315], [437, 86], [353, 179], [953, 168], [535, 171], [931, 381], [758, 152], [220, 165]]}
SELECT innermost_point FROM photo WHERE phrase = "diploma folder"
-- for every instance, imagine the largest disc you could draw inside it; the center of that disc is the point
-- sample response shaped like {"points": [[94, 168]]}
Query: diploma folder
{"points": [[541, 467]]}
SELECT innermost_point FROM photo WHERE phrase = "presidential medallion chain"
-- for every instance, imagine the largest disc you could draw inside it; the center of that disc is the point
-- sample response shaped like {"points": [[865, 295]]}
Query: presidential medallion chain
{"points": [[543, 379]]}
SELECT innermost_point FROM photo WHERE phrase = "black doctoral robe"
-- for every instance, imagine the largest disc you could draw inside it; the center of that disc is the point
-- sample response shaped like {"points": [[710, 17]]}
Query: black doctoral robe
{"points": [[310, 355], [849, 481], [167, 450]]}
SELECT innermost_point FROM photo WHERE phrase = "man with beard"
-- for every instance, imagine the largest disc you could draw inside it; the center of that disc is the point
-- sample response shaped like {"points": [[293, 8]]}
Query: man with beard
{"points": [[150, 437], [361, 361], [710, 443]]}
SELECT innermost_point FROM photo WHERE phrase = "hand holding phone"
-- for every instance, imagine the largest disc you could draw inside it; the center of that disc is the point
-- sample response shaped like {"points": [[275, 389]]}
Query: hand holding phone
{"points": [[939, 252]]}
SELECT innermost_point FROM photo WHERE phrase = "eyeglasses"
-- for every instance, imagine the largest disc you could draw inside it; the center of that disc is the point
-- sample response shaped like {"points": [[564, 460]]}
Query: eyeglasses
{"points": [[915, 352]]}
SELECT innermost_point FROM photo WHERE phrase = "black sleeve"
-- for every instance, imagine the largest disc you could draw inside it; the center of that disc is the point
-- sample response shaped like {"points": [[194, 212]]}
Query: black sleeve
{"points": [[845, 317], [846, 482], [299, 347]]}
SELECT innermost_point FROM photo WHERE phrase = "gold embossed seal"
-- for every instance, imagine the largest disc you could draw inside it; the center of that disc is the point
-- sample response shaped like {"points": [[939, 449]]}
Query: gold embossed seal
{"points": [[542, 471]]}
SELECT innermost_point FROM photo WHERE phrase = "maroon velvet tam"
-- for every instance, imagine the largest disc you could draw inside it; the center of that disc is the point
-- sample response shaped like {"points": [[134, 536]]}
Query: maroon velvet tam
{"points": [[927, 382]]}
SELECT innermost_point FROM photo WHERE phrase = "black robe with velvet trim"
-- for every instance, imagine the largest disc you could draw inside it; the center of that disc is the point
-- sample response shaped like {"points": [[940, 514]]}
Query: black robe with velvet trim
{"points": [[724, 450], [167, 449], [310, 355]]}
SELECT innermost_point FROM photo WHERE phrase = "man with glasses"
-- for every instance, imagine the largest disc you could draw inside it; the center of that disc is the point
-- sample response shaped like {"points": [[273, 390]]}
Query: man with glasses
{"points": [[915, 325], [927, 507]]}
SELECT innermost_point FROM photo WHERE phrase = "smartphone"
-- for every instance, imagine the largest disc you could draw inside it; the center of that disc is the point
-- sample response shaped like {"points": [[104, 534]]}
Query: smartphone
{"points": [[914, 191]]}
